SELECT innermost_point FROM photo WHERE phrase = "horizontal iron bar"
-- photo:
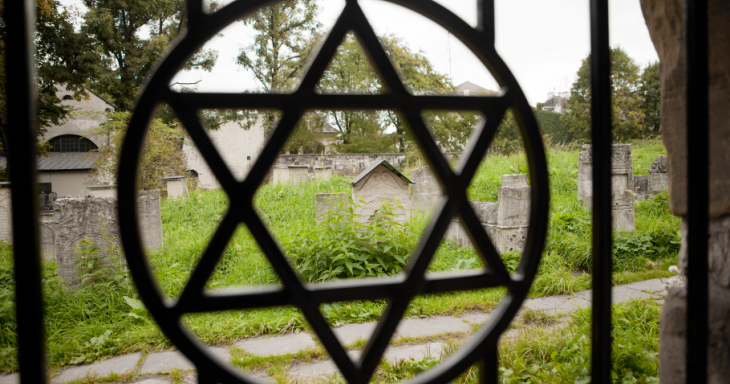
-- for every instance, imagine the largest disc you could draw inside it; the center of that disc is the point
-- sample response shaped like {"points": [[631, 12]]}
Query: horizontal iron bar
{"points": [[343, 290], [336, 101]]}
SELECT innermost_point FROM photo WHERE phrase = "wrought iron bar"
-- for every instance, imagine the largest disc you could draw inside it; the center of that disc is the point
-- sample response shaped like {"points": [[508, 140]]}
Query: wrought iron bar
{"points": [[697, 188], [602, 220], [20, 132]]}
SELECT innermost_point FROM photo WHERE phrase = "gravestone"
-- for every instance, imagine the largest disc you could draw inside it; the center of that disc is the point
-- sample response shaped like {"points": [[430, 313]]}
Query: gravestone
{"points": [[377, 184], [658, 175], [426, 190], [322, 173], [177, 186], [329, 203], [622, 181], [96, 218], [294, 174], [513, 214], [6, 225], [506, 222], [103, 190]]}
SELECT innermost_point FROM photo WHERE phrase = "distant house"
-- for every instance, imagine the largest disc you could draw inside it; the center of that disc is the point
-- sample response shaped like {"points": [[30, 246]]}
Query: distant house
{"points": [[329, 138], [68, 165], [238, 147], [470, 89], [556, 101]]}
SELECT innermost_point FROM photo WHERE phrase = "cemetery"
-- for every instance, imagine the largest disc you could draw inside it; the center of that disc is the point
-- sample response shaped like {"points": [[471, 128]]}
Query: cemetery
{"points": [[310, 216]]}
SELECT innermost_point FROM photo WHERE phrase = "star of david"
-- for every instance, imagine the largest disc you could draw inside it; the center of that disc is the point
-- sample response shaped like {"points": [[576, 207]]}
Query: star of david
{"points": [[399, 290]]}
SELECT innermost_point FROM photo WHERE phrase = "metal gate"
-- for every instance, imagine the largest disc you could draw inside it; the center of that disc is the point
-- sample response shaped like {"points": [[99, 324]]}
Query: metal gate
{"points": [[482, 349]]}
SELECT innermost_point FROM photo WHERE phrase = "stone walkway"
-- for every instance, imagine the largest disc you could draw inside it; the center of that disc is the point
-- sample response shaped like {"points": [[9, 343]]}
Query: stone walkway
{"points": [[156, 368]]}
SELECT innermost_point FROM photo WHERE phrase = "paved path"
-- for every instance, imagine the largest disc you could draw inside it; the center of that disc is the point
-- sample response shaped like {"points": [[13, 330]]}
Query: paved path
{"points": [[155, 367]]}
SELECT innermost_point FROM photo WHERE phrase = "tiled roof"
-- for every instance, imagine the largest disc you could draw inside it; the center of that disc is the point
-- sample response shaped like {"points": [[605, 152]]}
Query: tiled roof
{"points": [[372, 167], [62, 161]]}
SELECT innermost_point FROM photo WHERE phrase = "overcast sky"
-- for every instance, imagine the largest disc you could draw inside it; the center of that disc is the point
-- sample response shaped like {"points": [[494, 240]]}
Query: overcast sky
{"points": [[542, 42]]}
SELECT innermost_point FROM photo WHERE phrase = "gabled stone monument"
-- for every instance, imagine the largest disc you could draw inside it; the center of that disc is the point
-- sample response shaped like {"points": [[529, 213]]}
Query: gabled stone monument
{"points": [[177, 186], [622, 181], [380, 182]]}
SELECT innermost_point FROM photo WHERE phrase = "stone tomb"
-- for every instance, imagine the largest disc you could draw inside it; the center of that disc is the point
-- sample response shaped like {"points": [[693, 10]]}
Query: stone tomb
{"points": [[177, 186], [329, 203], [622, 181], [656, 181], [294, 174], [377, 184], [506, 222]]}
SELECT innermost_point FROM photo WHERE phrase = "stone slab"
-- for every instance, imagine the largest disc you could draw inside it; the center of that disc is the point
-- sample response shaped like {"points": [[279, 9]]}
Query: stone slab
{"points": [[475, 317], [13, 378], [220, 353], [416, 352], [556, 304], [165, 361], [431, 326], [154, 381], [119, 365], [277, 345], [653, 286], [349, 333]]}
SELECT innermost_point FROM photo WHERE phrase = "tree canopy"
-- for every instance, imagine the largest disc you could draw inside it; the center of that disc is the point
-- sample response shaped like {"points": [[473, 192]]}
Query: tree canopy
{"points": [[628, 100]]}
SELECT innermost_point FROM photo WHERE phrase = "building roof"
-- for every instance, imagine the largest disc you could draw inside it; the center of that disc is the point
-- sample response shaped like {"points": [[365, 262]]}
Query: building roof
{"points": [[474, 90], [62, 161], [372, 167]]}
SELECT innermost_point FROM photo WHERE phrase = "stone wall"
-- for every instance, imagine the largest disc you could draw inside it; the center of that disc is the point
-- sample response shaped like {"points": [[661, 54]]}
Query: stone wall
{"points": [[664, 18], [347, 164]]}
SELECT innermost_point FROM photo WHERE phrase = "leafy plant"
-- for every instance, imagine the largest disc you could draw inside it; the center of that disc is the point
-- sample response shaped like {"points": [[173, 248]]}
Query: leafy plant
{"points": [[341, 246]]}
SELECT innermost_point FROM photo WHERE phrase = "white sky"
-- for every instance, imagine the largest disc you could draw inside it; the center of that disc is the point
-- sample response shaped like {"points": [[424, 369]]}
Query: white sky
{"points": [[542, 42]]}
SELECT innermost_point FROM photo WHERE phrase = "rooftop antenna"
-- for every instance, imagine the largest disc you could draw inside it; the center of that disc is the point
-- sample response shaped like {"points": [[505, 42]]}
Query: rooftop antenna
{"points": [[449, 38]]}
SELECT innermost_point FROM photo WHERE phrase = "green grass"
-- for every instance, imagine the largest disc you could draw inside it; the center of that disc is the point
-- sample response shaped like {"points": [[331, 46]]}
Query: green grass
{"points": [[86, 325]]}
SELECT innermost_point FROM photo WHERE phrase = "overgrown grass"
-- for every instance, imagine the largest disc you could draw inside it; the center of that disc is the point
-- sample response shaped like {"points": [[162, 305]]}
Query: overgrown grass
{"points": [[88, 325]]}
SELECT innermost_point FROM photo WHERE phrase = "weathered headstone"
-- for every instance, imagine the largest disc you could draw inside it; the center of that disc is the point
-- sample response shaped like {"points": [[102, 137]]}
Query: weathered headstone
{"points": [[280, 174], [45, 229], [658, 175], [513, 214], [380, 183], [622, 181], [322, 173], [426, 190], [177, 186], [103, 190], [294, 174], [96, 218], [487, 214], [6, 226], [329, 203], [150, 218]]}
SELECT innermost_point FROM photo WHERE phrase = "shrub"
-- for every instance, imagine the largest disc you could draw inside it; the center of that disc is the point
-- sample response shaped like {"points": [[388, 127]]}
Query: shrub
{"points": [[341, 247]]}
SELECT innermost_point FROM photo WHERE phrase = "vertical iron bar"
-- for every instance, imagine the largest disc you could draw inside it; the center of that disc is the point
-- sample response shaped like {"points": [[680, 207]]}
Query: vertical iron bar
{"points": [[21, 149], [488, 369], [485, 23], [697, 188], [602, 220]]}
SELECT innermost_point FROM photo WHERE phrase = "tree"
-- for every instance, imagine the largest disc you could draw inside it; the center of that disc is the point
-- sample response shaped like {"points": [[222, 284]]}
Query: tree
{"points": [[162, 154], [125, 57], [651, 91], [626, 100], [63, 56], [284, 37]]}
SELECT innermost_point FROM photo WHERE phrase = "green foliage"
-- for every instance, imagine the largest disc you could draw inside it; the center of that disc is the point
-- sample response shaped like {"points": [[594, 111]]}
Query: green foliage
{"points": [[552, 127], [342, 247], [161, 154], [627, 118], [652, 92], [124, 56]]}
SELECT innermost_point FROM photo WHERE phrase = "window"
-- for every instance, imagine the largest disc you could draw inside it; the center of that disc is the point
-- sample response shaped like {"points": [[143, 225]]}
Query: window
{"points": [[67, 97], [71, 143], [46, 188]]}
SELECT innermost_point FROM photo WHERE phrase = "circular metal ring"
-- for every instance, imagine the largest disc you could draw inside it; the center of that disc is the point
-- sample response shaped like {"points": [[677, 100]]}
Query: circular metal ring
{"points": [[157, 91]]}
